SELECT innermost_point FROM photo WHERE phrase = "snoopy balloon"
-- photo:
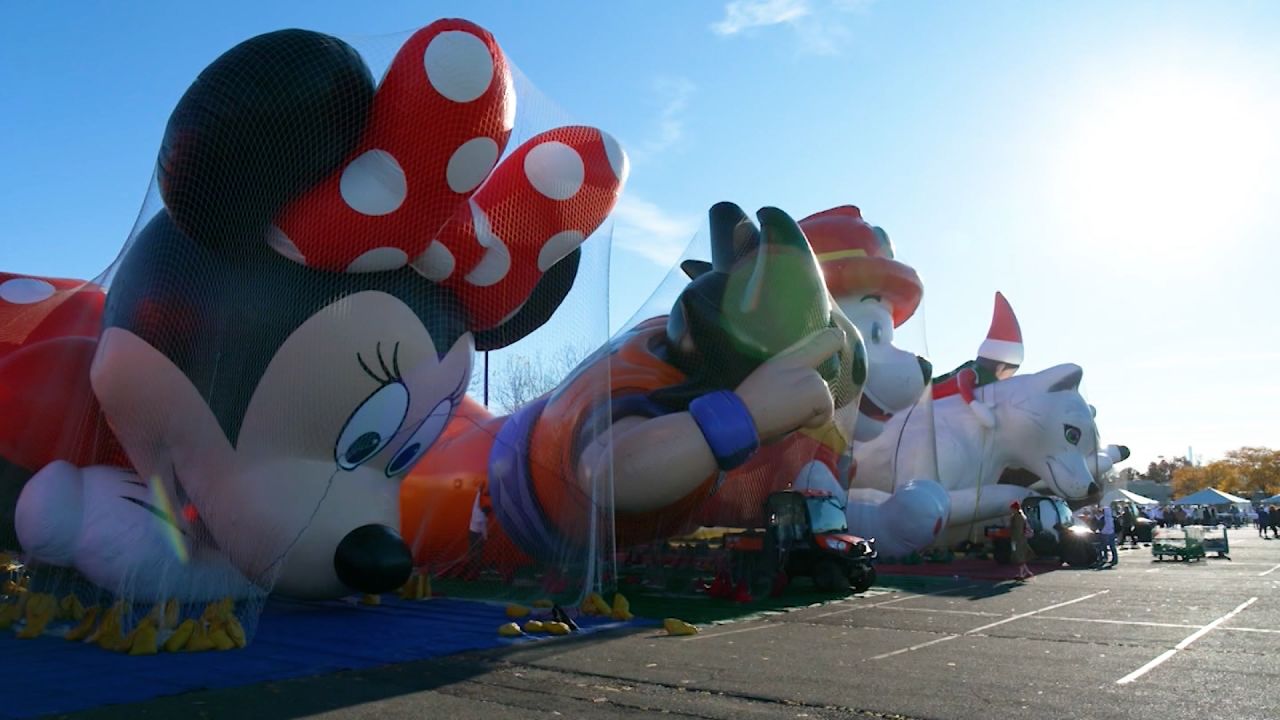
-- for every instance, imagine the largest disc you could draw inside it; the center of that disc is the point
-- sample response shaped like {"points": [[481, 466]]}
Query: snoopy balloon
{"points": [[291, 332]]}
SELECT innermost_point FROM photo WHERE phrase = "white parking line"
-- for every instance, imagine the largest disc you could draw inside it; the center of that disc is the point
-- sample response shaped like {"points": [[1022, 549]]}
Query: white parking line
{"points": [[1120, 622], [1182, 626], [988, 626], [762, 626], [895, 600], [1019, 616], [1268, 572], [1186, 642], [935, 641], [935, 611]]}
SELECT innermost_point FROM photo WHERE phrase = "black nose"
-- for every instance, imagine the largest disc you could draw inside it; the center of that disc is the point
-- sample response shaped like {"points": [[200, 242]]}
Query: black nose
{"points": [[373, 559], [926, 367], [1094, 489], [1124, 452]]}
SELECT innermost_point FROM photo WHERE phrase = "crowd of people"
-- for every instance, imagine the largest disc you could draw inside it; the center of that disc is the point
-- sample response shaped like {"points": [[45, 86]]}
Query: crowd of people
{"points": [[1267, 518], [1118, 524], [1177, 516], [1263, 516]]}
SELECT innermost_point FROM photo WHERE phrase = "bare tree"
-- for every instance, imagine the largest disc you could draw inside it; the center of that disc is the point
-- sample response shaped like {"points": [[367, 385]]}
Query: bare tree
{"points": [[525, 378]]}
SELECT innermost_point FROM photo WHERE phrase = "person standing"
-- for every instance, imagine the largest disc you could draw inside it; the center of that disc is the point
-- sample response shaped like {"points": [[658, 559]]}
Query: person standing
{"points": [[1109, 535], [1130, 522], [1019, 534]]}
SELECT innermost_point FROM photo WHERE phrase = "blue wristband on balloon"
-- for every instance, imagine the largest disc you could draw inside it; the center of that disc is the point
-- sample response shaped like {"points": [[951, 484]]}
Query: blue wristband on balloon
{"points": [[727, 426]]}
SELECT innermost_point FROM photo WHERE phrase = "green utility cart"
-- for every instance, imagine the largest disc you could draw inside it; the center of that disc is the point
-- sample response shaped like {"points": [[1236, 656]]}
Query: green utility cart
{"points": [[1184, 543]]}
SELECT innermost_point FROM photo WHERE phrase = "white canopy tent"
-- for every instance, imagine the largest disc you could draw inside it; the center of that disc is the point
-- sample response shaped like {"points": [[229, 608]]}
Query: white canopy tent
{"points": [[1122, 495], [1211, 496]]}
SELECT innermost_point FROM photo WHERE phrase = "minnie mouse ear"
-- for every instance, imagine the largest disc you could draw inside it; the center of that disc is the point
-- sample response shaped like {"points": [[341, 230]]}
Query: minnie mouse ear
{"points": [[264, 122], [548, 294]]}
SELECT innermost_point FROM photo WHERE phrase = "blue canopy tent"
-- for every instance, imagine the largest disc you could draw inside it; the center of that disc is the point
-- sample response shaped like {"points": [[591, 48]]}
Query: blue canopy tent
{"points": [[1211, 496]]}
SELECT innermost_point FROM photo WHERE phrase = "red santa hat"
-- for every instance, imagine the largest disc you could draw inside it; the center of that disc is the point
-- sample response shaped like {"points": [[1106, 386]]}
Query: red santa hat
{"points": [[1004, 339]]}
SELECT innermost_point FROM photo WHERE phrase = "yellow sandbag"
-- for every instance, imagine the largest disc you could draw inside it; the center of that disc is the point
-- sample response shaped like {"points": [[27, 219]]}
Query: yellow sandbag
{"points": [[81, 631], [169, 616], [180, 637], [220, 639], [144, 640], [676, 626], [621, 608], [199, 641], [235, 631]]}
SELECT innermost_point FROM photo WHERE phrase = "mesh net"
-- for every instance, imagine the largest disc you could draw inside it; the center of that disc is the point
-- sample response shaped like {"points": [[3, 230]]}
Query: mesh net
{"points": [[358, 343], [233, 409], [801, 506], [1005, 435]]}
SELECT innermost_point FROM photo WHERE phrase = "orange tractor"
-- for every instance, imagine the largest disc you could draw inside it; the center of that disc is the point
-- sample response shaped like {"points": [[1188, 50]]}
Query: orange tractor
{"points": [[805, 534]]}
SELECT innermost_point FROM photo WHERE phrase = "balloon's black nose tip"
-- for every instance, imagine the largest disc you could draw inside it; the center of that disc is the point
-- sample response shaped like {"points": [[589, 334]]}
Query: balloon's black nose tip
{"points": [[1094, 489], [373, 559]]}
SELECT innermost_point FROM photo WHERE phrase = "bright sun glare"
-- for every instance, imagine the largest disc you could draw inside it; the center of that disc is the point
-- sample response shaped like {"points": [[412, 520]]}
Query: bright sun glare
{"points": [[1158, 166]]}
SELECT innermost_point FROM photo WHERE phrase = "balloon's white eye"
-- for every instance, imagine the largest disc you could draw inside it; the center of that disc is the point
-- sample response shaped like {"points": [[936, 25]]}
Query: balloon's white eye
{"points": [[372, 425], [422, 439]]}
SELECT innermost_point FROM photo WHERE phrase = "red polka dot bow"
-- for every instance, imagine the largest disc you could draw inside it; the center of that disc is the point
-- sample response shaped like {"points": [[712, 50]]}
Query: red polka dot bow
{"points": [[424, 186]]}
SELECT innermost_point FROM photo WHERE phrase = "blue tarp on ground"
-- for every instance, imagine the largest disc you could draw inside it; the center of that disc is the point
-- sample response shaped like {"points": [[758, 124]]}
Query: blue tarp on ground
{"points": [[50, 675]]}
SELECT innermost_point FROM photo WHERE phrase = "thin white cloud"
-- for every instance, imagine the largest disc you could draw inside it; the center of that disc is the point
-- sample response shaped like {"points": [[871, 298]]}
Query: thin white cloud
{"points": [[673, 95], [742, 14], [817, 23], [645, 229]]}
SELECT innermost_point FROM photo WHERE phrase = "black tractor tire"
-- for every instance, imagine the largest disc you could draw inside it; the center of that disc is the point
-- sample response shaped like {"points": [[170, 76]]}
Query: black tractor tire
{"points": [[862, 579], [1002, 552], [1080, 556], [828, 577]]}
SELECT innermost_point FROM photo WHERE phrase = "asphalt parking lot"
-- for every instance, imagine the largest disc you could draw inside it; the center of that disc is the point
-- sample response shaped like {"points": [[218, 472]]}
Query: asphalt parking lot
{"points": [[1144, 640]]}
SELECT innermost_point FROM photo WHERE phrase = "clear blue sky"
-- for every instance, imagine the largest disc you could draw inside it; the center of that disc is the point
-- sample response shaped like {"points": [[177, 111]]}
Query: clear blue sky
{"points": [[1112, 167]]}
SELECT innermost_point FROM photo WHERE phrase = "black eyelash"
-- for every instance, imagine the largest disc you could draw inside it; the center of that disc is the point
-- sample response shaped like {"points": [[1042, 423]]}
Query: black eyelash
{"points": [[382, 363], [370, 373], [390, 375]]}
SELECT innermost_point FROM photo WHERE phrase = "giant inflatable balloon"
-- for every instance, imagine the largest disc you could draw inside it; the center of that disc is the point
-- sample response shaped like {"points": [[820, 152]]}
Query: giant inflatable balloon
{"points": [[288, 336], [752, 353], [876, 293], [1043, 440], [998, 439]]}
